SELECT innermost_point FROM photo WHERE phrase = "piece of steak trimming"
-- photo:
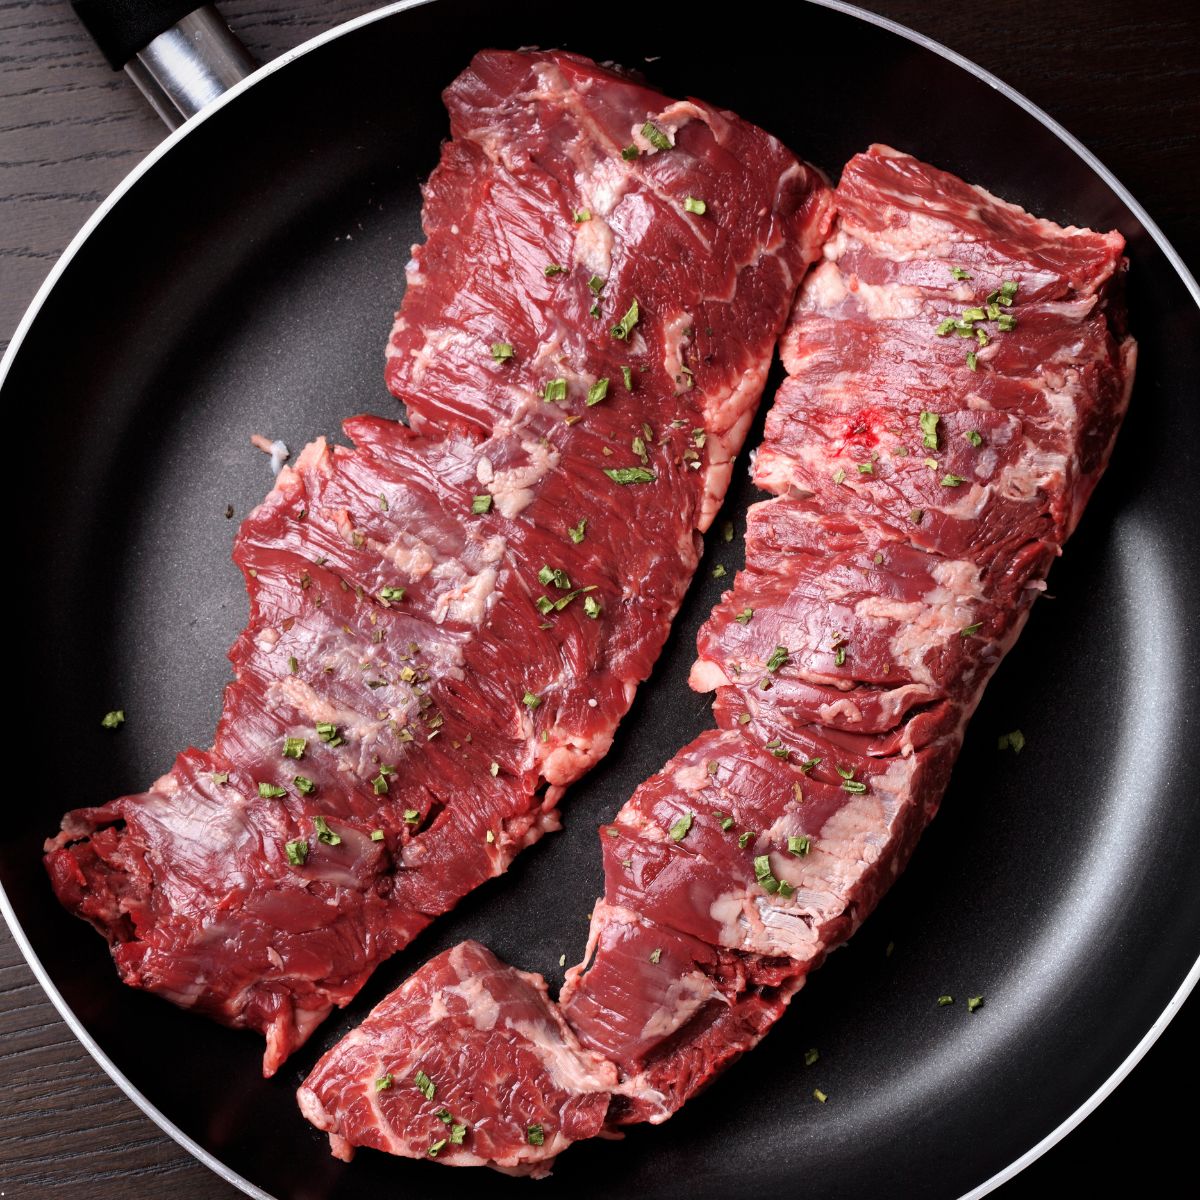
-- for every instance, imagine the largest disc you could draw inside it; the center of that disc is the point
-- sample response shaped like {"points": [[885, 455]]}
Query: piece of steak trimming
{"points": [[922, 494], [448, 621]]}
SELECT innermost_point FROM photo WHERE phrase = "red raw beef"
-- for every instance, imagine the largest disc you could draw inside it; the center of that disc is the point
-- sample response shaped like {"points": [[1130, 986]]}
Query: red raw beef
{"points": [[921, 496], [448, 621]]}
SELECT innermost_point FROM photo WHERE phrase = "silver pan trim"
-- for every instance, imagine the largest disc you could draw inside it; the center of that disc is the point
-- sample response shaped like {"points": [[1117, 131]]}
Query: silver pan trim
{"points": [[169, 143]]}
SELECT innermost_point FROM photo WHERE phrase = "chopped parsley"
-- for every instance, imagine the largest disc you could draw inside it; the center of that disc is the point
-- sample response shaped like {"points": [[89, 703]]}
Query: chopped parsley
{"points": [[114, 719], [745, 616], [972, 360], [726, 824], [972, 629], [974, 437], [535, 1135], [866, 468], [220, 777], [681, 827], [596, 283], [692, 205], [502, 351], [799, 845], [581, 215], [943, 1001], [293, 747], [1014, 741], [591, 607], [959, 273], [974, 1002], [945, 327], [1006, 322], [271, 791], [1008, 289], [629, 153], [630, 474], [811, 1056], [807, 765], [819, 1095], [597, 392], [929, 430], [481, 504], [304, 785], [656, 137], [765, 878], [412, 816], [555, 389], [779, 656], [530, 700], [551, 269], [383, 1083], [719, 571], [744, 839], [377, 835], [952, 480], [391, 594], [297, 853], [577, 532]]}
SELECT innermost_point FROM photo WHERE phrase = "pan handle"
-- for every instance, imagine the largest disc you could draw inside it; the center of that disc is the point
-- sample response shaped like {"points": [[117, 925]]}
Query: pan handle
{"points": [[181, 56]]}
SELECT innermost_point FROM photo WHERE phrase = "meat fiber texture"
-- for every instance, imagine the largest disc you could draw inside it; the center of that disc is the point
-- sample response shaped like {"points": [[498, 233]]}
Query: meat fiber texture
{"points": [[919, 499], [448, 620]]}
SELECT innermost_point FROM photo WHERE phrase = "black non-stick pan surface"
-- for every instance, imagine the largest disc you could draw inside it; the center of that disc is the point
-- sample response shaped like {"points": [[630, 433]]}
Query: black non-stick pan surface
{"points": [[245, 281]]}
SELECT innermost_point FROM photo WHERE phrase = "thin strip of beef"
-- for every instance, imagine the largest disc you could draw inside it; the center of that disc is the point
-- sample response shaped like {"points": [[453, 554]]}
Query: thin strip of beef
{"points": [[958, 372], [448, 621]]}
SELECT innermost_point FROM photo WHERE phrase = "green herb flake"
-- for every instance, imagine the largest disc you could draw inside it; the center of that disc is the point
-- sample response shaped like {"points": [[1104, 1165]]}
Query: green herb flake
{"points": [[982, 338], [819, 1096], [325, 834], [626, 475], [763, 874], [437, 1147], [943, 1001], [597, 392], [839, 475], [952, 480], [807, 765], [457, 1133], [297, 853], [1008, 289], [945, 327], [293, 747], [959, 273], [974, 1002], [624, 327], [799, 845], [726, 824], [377, 835], [271, 791], [629, 153], [656, 137], [502, 351], [854, 787], [114, 719], [591, 607], [973, 314], [745, 616], [581, 215], [530, 700], [481, 504], [681, 827], [412, 816], [866, 468], [692, 205], [972, 360], [554, 390], [219, 777], [779, 657], [627, 376], [974, 437], [929, 430], [917, 516], [811, 1056], [971, 630], [1006, 323], [535, 1135], [554, 575], [304, 785], [391, 594], [552, 269], [293, 665], [383, 1083], [719, 571], [745, 839], [839, 656], [424, 1084], [656, 955], [1014, 741]]}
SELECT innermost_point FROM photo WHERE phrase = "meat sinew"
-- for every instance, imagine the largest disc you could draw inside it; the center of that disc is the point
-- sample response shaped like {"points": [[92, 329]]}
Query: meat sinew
{"points": [[958, 372], [448, 620]]}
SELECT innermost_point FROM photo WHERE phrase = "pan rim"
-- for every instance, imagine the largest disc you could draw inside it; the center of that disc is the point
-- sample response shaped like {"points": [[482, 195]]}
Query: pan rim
{"points": [[1190, 980]]}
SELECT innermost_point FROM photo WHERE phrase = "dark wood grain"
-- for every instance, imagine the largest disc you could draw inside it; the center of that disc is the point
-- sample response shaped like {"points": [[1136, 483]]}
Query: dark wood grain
{"points": [[1124, 78]]}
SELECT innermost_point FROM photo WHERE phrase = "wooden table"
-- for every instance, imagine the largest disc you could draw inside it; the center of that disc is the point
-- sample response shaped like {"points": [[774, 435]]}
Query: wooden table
{"points": [[1127, 83]]}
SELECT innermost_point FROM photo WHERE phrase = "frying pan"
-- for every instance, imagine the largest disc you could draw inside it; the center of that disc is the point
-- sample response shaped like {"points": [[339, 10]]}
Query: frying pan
{"points": [[242, 280]]}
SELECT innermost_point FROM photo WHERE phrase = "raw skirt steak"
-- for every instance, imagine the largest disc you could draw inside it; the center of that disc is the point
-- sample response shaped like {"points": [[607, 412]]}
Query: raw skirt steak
{"points": [[448, 620], [958, 370]]}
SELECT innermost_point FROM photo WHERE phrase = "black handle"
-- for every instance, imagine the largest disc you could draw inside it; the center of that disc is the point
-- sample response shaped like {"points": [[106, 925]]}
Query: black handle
{"points": [[123, 27]]}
